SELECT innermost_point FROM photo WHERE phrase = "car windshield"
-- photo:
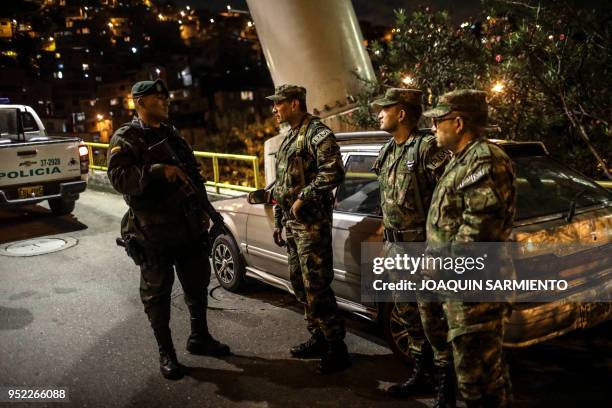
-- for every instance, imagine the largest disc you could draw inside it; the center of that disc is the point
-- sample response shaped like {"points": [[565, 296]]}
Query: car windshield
{"points": [[545, 187]]}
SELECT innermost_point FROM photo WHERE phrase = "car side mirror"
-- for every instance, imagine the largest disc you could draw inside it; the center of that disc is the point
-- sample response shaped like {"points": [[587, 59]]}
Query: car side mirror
{"points": [[261, 196]]}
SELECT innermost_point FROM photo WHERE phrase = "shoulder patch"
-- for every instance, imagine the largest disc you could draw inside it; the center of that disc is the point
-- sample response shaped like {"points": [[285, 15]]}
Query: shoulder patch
{"points": [[438, 159], [480, 173], [320, 136]]}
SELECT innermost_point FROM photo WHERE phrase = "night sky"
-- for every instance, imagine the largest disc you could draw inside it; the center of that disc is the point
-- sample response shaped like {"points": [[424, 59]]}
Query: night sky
{"points": [[378, 12]]}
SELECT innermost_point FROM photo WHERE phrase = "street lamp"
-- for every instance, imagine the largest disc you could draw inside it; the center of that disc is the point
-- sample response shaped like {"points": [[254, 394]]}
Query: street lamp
{"points": [[498, 87], [407, 80]]}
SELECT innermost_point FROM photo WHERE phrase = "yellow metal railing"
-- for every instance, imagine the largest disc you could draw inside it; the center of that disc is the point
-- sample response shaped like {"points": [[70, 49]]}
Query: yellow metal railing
{"points": [[207, 155], [605, 183]]}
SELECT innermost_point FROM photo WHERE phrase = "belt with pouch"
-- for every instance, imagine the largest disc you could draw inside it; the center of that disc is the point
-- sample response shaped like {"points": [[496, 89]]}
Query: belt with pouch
{"points": [[408, 235]]}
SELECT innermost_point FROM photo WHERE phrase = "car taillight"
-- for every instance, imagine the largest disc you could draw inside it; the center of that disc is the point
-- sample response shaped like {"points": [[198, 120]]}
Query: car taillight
{"points": [[84, 158]]}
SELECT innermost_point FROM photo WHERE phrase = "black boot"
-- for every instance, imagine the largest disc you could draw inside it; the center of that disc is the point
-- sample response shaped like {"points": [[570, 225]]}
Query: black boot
{"points": [[445, 387], [200, 341], [168, 363], [315, 346], [336, 358], [419, 382]]}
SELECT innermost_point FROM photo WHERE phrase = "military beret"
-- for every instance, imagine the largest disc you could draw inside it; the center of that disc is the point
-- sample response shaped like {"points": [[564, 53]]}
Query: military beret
{"points": [[467, 101], [285, 91], [397, 95], [144, 88]]}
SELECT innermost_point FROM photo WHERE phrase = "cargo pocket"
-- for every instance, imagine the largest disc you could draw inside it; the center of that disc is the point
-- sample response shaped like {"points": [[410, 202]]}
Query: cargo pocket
{"points": [[447, 215]]}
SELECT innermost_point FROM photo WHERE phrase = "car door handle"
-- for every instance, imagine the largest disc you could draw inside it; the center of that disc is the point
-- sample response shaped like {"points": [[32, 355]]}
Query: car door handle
{"points": [[27, 153]]}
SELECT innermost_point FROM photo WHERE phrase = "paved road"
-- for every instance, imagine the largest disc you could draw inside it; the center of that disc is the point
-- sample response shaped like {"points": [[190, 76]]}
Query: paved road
{"points": [[73, 319]]}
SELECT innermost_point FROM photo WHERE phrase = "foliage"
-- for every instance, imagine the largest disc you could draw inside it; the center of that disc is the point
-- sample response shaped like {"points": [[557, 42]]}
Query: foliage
{"points": [[547, 71]]}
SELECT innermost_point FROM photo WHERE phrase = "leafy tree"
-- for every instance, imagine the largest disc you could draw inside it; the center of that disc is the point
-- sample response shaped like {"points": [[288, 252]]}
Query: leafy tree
{"points": [[547, 70]]}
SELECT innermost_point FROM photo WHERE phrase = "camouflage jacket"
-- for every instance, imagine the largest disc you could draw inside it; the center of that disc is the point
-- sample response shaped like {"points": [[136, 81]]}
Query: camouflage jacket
{"points": [[153, 201], [475, 198], [322, 166], [407, 176]]}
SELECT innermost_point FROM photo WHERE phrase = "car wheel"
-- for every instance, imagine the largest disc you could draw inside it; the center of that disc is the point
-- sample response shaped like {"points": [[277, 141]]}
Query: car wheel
{"points": [[227, 263], [396, 334], [61, 207]]}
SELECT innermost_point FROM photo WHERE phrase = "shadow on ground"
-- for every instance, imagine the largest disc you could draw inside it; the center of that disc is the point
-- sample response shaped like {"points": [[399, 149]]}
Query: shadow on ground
{"points": [[32, 221]]}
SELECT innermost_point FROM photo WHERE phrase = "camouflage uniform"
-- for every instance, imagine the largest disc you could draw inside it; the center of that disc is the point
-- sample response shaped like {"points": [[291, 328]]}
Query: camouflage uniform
{"points": [[407, 176], [156, 219], [312, 147], [474, 201]]}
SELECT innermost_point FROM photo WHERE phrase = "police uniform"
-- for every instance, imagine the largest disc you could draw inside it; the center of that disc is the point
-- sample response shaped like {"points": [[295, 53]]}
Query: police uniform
{"points": [[474, 201], [163, 235], [309, 166], [407, 175]]}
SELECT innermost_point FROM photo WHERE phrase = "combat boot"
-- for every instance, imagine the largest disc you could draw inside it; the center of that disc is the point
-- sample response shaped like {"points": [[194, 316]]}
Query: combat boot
{"points": [[201, 343], [315, 346], [419, 382], [336, 358], [168, 363], [445, 388]]}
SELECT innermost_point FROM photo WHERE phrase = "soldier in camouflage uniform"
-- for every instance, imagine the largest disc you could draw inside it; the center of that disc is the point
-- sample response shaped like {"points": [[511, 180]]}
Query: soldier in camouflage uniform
{"points": [[408, 168], [308, 168], [474, 201], [159, 232]]}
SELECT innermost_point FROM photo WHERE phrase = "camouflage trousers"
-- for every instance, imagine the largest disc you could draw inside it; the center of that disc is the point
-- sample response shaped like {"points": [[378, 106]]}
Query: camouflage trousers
{"points": [[476, 332], [423, 320], [157, 277], [311, 271], [435, 328]]}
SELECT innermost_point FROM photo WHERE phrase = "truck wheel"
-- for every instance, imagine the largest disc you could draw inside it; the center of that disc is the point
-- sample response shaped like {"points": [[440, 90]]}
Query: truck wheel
{"points": [[396, 334], [61, 207], [227, 263]]}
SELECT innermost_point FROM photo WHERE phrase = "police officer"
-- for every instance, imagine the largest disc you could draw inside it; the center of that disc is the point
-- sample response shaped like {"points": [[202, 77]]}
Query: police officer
{"points": [[308, 168], [167, 221], [408, 168], [474, 201]]}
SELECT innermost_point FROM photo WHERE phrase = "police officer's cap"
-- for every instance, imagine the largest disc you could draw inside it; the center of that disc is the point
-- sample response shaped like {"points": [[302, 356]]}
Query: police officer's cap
{"points": [[285, 91], [396, 95], [144, 88]]}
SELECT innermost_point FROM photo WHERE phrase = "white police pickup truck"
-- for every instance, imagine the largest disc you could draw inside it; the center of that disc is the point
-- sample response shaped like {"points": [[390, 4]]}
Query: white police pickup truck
{"points": [[35, 167]]}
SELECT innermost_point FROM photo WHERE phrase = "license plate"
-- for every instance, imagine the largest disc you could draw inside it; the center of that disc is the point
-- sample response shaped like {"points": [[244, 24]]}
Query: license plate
{"points": [[29, 192]]}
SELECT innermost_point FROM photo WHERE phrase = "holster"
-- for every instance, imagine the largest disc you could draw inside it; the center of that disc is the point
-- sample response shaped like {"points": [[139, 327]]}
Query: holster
{"points": [[133, 248]]}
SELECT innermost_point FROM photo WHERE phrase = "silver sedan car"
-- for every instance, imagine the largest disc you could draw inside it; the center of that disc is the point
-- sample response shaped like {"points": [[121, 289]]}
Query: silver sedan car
{"points": [[553, 201]]}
